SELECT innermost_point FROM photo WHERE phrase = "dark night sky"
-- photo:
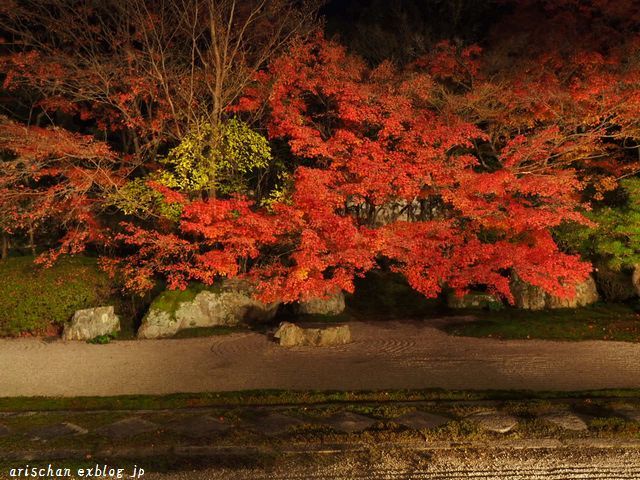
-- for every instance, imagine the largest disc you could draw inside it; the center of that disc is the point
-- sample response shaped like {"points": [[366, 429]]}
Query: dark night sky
{"points": [[402, 29]]}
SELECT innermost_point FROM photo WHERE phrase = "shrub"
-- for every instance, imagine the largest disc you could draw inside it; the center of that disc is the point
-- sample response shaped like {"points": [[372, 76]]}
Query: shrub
{"points": [[32, 298], [615, 236]]}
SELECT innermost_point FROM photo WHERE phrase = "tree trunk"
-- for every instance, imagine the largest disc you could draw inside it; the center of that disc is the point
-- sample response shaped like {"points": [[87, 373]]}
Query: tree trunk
{"points": [[32, 245], [5, 246]]}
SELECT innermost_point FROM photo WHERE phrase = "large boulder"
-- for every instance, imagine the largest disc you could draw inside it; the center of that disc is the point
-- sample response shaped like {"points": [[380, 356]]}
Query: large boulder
{"points": [[614, 285], [526, 295], [91, 323], [332, 304], [635, 278], [530, 297], [228, 304], [586, 294], [473, 300], [290, 335]]}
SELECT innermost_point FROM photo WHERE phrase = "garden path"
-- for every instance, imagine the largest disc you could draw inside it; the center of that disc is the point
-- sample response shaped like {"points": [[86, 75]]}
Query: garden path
{"points": [[384, 355]]}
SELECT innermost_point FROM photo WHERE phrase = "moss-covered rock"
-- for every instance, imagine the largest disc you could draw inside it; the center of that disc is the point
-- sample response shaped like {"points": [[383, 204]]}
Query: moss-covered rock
{"points": [[530, 297], [33, 299], [227, 304], [91, 323]]}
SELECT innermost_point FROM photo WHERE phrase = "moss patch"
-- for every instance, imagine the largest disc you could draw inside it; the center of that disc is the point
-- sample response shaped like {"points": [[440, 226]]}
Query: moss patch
{"points": [[290, 397], [169, 301], [618, 322], [34, 299]]}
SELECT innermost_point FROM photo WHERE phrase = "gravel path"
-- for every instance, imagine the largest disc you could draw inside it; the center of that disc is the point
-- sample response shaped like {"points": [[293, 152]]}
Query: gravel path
{"points": [[452, 465], [385, 355]]}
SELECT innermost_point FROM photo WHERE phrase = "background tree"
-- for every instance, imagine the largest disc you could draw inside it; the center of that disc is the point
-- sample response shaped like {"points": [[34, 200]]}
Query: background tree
{"points": [[146, 78], [52, 176]]}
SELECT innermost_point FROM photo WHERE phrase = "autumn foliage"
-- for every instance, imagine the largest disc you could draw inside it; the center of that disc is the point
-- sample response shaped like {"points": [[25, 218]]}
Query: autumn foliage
{"points": [[454, 169]]}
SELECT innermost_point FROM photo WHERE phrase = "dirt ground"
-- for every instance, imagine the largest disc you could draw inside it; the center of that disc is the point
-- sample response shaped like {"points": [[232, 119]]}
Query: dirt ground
{"points": [[384, 355]]}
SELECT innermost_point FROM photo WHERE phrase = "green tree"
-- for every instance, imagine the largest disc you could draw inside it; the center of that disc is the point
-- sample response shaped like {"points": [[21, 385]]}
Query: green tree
{"points": [[615, 236]]}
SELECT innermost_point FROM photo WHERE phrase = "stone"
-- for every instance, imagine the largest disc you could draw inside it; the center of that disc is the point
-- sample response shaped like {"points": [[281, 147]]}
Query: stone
{"points": [[349, 422], [50, 432], [290, 335], [494, 421], [332, 304], [229, 304], [4, 430], [566, 420], [91, 323], [421, 420], [473, 300], [127, 427], [530, 297], [274, 423], [158, 324], [526, 295], [586, 294], [635, 278], [615, 285], [199, 427]]}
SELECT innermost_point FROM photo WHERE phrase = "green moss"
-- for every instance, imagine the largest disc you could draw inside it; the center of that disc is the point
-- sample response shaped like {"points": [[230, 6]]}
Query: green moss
{"points": [[599, 322], [169, 301], [293, 397], [32, 298]]}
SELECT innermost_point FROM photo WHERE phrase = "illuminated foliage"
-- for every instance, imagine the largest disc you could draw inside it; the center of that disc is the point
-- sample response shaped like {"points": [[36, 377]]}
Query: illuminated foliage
{"points": [[216, 159], [455, 168]]}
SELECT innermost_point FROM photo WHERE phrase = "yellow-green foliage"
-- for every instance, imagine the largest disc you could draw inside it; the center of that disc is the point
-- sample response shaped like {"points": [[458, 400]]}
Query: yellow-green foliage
{"points": [[281, 193], [138, 198], [219, 158]]}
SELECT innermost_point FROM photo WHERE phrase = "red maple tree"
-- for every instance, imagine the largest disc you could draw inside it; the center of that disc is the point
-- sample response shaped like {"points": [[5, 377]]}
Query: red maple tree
{"points": [[371, 140], [455, 168]]}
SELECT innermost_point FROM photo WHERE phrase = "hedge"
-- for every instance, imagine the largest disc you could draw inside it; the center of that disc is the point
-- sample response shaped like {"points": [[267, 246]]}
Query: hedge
{"points": [[33, 298]]}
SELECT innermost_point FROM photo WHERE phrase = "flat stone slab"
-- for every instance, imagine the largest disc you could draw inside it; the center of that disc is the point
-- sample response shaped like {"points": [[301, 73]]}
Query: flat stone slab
{"points": [[274, 423], [629, 412], [349, 422], [127, 427], [421, 420], [199, 427], [494, 421], [566, 420], [4, 430], [57, 430]]}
